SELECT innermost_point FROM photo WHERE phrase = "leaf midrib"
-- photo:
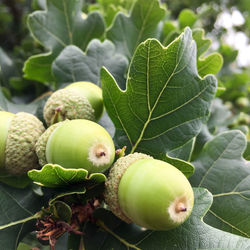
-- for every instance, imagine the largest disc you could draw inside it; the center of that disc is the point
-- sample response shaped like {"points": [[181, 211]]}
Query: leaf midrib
{"points": [[67, 22], [151, 110], [144, 23]]}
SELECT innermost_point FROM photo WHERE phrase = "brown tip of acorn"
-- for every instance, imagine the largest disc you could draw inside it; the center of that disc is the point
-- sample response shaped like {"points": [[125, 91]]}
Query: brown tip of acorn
{"points": [[180, 207], [100, 154]]}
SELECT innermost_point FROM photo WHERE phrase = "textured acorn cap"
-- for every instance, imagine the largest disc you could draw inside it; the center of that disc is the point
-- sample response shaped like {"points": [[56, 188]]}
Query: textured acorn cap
{"points": [[113, 181], [41, 144], [69, 104], [23, 133]]}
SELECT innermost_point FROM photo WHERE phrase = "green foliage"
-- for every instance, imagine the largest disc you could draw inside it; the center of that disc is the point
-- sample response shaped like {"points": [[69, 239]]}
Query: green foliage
{"points": [[109, 8], [198, 235], [187, 18], [16, 204], [142, 116], [60, 25], [127, 32], [159, 90], [73, 65], [225, 173]]}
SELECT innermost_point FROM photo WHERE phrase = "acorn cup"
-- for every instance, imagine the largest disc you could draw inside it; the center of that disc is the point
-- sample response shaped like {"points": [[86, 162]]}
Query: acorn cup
{"points": [[151, 193], [77, 144], [18, 136], [79, 100]]}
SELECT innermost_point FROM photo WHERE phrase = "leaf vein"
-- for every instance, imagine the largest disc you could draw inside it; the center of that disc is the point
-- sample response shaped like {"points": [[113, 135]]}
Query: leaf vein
{"points": [[214, 163], [67, 22], [184, 104], [17, 202], [227, 223], [50, 33]]}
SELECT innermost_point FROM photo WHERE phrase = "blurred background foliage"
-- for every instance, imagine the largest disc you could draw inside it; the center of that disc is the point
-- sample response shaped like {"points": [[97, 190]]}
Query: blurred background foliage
{"points": [[226, 23]]}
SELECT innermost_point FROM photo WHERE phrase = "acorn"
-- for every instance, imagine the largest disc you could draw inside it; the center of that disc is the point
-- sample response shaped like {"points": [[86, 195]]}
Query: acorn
{"points": [[79, 100], [77, 143], [242, 102], [149, 192], [19, 134]]}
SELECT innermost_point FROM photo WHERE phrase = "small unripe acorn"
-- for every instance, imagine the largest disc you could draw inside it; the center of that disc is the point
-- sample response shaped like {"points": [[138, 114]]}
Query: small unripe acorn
{"points": [[151, 193], [18, 136], [242, 102], [79, 100], [77, 144]]}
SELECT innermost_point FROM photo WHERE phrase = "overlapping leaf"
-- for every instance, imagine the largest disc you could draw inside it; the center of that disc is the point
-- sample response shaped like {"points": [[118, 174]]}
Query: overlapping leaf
{"points": [[7, 67], [223, 171], [7, 105], [247, 152], [209, 64], [109, 8], [187, 18], [206, 64], [142, 23], [219, 119], [193, 234], [184, 152], [4, 103], [165, 103], [74, 65], [52, 175], [16, 204], [60, 25]]}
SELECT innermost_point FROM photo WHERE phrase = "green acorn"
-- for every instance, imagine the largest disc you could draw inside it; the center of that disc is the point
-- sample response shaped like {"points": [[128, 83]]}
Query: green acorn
{"points": [[19, 133], [79, 100], [77, 144], [151, 193], [242, 102]]}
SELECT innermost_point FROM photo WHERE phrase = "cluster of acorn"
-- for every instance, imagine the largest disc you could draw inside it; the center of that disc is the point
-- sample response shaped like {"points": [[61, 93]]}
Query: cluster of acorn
{"points": [[140, 189]]}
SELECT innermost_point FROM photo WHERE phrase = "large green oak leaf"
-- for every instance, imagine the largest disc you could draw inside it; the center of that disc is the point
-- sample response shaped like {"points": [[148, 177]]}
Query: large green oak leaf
{"points": [[193, 234], [127, 32], [165, 102], [60, 25], [222, 169]]}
